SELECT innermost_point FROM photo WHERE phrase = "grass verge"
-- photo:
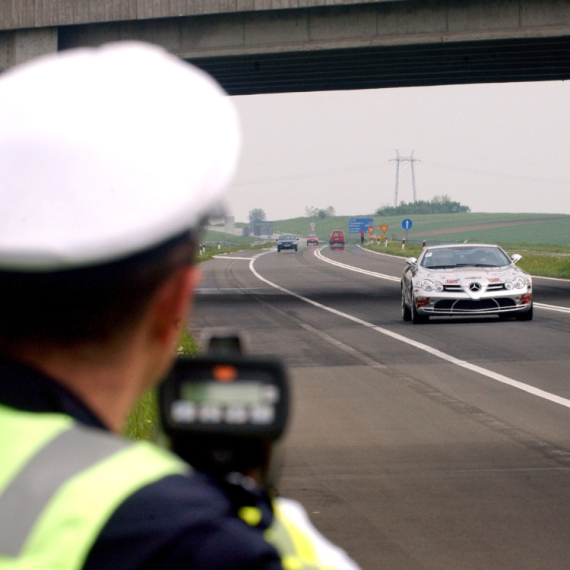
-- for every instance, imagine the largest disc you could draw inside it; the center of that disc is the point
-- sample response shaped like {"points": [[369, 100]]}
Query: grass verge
{"points": [[143, 419], [210, 251]]}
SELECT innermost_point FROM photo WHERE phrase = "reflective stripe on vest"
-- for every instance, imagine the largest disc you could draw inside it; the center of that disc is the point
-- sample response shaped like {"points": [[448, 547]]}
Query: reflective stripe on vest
{"points": [[295, 549], [300, 544], [58, 491], [70, 452]]}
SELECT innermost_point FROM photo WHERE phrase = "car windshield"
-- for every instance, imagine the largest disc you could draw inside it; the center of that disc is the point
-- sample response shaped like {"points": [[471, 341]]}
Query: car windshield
{"points": [[312, 235], [451, 257], [286, 237]]}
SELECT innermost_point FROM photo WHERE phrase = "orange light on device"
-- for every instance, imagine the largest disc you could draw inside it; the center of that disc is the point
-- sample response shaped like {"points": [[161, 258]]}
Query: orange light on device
{"points": [[224, 373]]}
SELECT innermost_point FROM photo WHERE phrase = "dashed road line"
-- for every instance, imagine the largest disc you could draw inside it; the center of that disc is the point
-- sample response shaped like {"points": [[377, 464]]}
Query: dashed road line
{"points": [[324, 336]]}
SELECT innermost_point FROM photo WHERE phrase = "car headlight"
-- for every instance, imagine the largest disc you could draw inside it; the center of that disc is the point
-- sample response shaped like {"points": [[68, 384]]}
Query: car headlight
{"points": [[509, 285], [519, 282], [429, 285]]}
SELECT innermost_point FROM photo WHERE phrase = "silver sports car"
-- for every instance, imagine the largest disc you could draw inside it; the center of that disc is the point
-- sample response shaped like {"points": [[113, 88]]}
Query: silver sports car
{"points": [[465, 280]]}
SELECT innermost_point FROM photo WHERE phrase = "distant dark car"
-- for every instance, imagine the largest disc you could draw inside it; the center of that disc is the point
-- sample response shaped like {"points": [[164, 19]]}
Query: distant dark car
{"points": [[287, 241], [312, 239], [337, 238]]}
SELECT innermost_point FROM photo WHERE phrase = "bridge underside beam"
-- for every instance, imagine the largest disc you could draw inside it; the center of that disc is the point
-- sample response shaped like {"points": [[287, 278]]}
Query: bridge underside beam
{"points": [[402, 66], [360, 46]]}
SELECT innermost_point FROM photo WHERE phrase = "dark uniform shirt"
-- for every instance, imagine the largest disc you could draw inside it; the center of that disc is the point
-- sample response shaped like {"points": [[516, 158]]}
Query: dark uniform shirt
{"points": [[180, 522]]}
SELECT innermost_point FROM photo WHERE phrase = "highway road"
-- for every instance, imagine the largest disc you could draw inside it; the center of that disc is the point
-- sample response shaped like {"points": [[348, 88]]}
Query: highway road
{"points": [[445, 445]]}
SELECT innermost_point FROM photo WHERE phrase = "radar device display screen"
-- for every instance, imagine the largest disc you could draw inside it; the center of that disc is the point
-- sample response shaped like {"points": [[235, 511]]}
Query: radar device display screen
{"points": [[229, 395]]}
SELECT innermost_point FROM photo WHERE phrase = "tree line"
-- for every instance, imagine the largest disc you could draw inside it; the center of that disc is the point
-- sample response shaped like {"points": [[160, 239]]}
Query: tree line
{"points": [[437, 205], [320, 213]]}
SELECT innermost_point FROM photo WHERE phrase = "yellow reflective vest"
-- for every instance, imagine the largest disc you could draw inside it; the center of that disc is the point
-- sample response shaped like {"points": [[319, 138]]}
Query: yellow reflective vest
{"points": [[59, 484]]}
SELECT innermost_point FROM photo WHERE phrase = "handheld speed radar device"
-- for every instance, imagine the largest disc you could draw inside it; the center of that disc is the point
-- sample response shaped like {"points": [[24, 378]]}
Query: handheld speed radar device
{"points": [[222, 413]]}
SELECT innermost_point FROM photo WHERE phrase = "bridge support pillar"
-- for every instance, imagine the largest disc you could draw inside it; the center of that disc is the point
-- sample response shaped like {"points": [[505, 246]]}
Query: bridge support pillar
{"points": [[19, 46]]}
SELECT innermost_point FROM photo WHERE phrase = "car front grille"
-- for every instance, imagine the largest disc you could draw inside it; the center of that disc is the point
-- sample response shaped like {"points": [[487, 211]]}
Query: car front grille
{"points": [[459, 288], [472, 306], [496, 287], [452, 288]]}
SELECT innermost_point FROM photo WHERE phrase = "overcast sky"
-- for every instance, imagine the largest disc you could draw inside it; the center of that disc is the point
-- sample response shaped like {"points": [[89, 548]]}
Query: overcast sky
{"points": [[495, 148]]}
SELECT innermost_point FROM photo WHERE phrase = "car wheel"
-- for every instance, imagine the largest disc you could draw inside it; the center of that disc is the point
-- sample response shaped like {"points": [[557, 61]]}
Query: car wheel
{"points": [[406, 312], [526, 316], [417, 319]]}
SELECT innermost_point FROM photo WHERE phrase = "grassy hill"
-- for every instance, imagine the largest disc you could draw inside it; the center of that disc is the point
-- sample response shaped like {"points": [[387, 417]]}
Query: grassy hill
{"points": [[212, 236], [543, 229]]}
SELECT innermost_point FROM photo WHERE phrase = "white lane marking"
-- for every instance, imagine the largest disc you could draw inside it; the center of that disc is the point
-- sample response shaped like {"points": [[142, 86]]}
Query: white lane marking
{"points": [[556, 308], [551, 278], [424, 347], [222, 256], [320, 256], [380, 253], [235, 290]]}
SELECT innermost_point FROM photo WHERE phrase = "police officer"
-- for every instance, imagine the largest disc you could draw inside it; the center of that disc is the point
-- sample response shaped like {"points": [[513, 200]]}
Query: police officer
{"points": [[109, 160]]}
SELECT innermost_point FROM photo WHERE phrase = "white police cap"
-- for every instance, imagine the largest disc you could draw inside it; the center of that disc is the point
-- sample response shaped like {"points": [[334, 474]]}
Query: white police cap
{"points": [[107, 152]]}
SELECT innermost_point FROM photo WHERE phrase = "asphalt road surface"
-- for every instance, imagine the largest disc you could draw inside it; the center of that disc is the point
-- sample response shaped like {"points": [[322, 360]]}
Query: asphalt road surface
{"points": [[445, 445]]}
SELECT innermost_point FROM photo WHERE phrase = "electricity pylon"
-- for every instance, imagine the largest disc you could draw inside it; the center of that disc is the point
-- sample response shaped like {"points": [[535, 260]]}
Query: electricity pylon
{"points": [[397, 160]]}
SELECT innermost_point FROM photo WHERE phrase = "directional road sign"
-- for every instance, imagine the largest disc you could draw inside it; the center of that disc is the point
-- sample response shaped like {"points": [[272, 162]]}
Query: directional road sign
{"points": [[357, 224], [407, 224]]}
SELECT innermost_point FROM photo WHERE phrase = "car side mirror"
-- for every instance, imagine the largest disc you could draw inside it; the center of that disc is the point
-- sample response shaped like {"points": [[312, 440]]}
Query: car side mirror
{"points": [[516, 257], [411, 261]]}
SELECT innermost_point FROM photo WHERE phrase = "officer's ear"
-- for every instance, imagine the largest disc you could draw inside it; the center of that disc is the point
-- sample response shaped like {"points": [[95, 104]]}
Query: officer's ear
{"points": [[172, 302]]}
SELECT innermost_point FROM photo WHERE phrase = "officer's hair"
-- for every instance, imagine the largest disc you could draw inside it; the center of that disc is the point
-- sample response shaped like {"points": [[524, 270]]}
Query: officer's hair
{"points": [[91, 304]]}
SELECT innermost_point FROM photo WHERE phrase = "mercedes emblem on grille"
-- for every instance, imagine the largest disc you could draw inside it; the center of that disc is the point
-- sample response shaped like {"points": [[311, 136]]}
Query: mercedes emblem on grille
{"points": [[474, 287]]}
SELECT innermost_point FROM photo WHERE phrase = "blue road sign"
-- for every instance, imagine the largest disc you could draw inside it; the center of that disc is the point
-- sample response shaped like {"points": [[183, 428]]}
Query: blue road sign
{"points": [[357, 224], [407, 224]]}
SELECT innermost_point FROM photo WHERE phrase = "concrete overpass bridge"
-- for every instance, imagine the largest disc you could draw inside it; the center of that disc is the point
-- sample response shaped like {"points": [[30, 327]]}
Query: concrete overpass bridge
{"points": [[275, 46]]}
